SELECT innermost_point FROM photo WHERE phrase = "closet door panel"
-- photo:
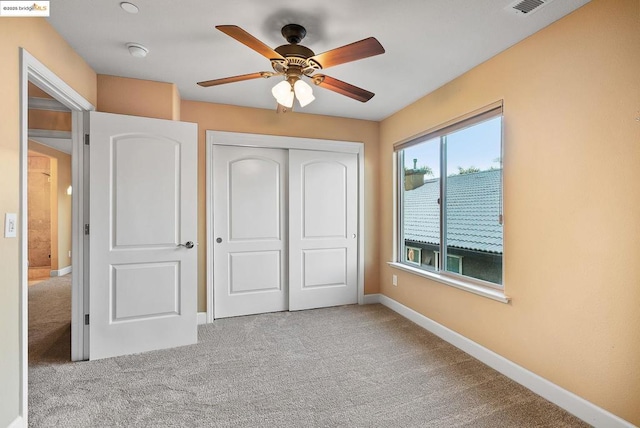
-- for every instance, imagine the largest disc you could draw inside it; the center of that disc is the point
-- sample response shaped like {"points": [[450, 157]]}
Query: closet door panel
{"points": [[250, 231], [323, 223]]}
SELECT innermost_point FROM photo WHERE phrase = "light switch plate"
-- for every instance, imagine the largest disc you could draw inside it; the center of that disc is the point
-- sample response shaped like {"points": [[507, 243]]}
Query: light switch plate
{"points": [[10, 225]]}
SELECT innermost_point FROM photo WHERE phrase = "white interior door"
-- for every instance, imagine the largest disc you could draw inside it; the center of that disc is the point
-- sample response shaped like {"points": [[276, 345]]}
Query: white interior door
{"points": [[323, 224], [143, 220], [249, 230]]}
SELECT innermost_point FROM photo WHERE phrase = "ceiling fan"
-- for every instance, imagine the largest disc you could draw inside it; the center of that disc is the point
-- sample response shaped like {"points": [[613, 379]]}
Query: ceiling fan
{"points": [[294, 61]]}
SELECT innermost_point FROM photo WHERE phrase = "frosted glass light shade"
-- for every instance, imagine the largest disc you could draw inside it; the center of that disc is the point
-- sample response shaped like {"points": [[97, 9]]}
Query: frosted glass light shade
{"points": [[304, 92], [283, 93]]}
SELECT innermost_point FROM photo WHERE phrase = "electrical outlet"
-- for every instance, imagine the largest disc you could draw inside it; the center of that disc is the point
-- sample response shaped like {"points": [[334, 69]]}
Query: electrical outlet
{"points": [[394, 280], [10, 225]]}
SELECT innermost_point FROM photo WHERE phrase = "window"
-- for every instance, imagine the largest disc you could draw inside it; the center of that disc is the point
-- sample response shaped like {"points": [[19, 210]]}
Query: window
{"points": [[450, 199]]}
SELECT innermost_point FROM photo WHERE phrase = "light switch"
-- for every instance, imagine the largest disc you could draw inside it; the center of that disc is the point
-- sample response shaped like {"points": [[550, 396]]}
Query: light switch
{"points": [[10, 225]]}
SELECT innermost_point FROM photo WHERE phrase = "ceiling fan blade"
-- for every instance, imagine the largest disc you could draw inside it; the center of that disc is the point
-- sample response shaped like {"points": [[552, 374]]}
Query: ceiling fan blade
{"points": [[232, 79], [248, 40], [342, 88], [352, 52]]}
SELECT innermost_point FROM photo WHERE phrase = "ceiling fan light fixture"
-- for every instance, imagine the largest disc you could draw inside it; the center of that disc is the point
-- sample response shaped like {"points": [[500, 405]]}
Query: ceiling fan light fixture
{"points": [[304, 93], [294, 61], [283, 93]]}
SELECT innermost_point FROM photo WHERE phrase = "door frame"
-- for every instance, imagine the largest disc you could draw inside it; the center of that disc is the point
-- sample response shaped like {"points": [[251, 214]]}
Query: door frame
{"points": [[277, 142], [32, 70]]}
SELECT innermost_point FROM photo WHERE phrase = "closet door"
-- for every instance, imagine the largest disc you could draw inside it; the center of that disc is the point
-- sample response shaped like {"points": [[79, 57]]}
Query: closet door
{"points": [[249, 231], [323, 223]]}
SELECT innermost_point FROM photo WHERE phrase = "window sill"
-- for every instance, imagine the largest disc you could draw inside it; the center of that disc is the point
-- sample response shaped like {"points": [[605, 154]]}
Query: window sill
{"points": [[497, 295]]}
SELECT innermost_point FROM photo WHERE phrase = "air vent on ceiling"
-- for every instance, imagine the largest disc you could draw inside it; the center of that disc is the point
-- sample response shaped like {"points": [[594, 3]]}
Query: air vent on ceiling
{"points": [[527, 7]]}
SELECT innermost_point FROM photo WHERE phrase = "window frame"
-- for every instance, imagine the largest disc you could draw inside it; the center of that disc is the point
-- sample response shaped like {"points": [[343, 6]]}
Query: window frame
{"points": [[475, 285]]}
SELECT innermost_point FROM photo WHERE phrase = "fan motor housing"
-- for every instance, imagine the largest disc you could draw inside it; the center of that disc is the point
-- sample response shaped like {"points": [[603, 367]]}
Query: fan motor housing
{"points": [[296, 56], [298, 51]]}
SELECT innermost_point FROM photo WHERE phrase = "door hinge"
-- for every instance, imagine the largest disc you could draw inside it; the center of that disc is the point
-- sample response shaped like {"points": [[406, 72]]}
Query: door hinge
{"points": [[86, 139], [501, 219], [86, 229], [86, 319]]}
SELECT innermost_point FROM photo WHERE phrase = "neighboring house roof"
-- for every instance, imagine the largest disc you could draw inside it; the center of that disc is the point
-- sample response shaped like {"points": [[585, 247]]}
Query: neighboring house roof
{"points": [[473, 209]]}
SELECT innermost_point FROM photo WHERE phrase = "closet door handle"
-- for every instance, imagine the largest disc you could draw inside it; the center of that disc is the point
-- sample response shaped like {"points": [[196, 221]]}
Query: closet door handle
{"points": [[218, 240]]}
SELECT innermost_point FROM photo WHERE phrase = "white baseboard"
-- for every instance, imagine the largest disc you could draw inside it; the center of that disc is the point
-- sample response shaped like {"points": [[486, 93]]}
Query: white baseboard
{"points": [[202, 318], [17, 423], [370, 299], [567, 400], [61, 272]]}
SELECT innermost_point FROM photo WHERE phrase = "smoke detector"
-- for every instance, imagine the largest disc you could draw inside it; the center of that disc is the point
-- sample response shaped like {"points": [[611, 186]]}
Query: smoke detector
{"points": [[129, 7], [137, 50]]}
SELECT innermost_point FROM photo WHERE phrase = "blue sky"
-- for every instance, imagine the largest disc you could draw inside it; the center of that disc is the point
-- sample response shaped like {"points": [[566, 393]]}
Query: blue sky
{"points": [[477, 146]]}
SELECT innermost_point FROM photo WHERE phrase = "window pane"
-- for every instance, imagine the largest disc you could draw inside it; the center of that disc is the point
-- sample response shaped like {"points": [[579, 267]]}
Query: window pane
{"points": [[473, 200], [421, 211]]}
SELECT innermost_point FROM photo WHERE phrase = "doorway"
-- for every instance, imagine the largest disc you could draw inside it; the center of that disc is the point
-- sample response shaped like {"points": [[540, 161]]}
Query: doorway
{"points": [[49, 252], [33, 71], [49, 187], [284, 224]]}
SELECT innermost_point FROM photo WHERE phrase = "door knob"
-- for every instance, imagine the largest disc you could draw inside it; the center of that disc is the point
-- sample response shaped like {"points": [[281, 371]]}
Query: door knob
{"points": [[218, 240], [188, 244]]}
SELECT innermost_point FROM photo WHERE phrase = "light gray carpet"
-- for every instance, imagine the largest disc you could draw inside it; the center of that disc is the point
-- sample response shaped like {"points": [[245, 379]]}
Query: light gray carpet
{"points": [[50, 320], [351, 366]]}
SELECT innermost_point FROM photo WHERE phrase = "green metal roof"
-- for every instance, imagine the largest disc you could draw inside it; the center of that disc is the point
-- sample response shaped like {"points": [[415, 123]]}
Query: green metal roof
{"points": [[473, 209]]}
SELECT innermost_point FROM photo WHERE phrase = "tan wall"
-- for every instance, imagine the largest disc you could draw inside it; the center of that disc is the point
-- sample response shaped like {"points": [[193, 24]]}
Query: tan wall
{"points": [[572, 149], [37, 36], [176, 103], [63, 206], [258, 121], [40, 180], [50, 120], [137, 97], [36, 92]]}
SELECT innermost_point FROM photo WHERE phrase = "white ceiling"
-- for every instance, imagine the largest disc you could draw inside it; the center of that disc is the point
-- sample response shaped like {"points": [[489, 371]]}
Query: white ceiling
{"points": [[427, 43]]}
